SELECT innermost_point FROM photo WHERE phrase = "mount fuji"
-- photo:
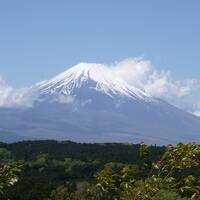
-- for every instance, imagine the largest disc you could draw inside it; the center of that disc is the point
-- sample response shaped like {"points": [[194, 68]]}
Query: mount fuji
{"points": [[90, 103]]}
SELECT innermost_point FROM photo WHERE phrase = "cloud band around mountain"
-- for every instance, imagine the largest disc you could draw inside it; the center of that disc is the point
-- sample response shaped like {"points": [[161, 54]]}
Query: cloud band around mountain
{"points": [[18, 98], [135, 71], [141, 73]]}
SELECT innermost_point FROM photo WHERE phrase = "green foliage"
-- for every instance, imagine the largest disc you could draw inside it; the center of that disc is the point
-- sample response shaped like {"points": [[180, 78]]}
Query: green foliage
{"points": [[163, 175], [105, 152], [144, 151], [79, 169], [64, 192], [5, 155], [71, 191], [113, 185], [168, 195], [66, 170], [9, 174]]}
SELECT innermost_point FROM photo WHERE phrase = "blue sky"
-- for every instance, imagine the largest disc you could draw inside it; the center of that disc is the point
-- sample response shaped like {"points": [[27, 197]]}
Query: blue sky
{"points": [[41, 38]]}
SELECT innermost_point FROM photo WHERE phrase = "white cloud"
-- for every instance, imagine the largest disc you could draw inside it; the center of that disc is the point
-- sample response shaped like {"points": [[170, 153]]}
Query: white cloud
{"points": [[196, 109], [197, 113], [11, 97], [25, 97], [64, 99], [141, 73]]}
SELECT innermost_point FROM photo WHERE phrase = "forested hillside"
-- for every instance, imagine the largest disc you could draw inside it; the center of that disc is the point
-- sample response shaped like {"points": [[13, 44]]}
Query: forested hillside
{"points": [[51, 170]]}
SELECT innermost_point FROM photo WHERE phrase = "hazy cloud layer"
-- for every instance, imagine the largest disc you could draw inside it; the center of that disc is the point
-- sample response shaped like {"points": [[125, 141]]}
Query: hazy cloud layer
{"points": [[11, 97]]}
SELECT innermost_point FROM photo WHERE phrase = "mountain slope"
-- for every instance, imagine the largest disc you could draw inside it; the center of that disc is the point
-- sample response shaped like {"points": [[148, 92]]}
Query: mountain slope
{"points": [[89, 103], [96, 77]]}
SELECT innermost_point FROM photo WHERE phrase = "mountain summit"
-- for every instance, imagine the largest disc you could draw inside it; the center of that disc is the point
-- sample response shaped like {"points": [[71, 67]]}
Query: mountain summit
{"points": [[94, 76], [90, 103]]}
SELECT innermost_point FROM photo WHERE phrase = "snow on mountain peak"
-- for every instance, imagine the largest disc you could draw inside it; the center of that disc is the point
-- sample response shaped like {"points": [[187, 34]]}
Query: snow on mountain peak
{"points": [[105, 80]]}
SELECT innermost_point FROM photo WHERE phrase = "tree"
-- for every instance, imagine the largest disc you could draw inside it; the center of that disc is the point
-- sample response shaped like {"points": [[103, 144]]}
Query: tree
{"points": [[170, 173], [9, 173]]}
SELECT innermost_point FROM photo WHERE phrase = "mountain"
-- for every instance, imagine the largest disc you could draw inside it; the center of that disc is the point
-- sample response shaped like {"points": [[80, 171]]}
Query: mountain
{"points": [[90, 103], [93, 77]]}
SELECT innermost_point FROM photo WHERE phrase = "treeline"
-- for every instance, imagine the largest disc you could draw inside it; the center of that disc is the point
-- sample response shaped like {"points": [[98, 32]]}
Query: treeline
{"points": [[112, 152], [55, 170]]}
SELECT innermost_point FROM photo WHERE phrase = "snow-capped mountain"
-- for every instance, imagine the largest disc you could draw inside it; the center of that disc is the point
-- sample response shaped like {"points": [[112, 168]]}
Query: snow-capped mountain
{"points": [[89, 103], [95, 77]]}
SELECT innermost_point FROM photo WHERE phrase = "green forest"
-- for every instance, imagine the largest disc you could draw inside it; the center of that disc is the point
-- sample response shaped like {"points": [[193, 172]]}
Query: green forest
{"points": [[52, 170]]}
